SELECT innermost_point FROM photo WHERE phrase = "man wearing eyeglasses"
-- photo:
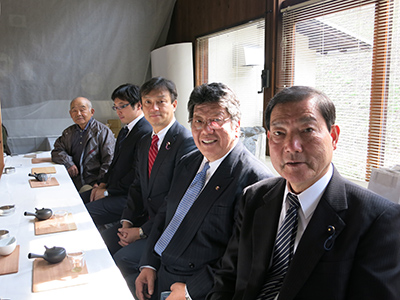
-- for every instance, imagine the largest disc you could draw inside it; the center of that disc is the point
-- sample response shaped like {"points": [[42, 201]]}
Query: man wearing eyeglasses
{"points": [[193, 227], [86, 148], [158, 153], [107, 200]]}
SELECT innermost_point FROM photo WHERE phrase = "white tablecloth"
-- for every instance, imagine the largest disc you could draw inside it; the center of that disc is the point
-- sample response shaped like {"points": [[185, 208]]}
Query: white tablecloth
{"points": [[105, 279]]}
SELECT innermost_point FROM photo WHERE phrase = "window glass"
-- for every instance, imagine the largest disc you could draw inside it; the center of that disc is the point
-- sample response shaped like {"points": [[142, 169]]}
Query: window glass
{"points": [[344, 49], [235, 57]]}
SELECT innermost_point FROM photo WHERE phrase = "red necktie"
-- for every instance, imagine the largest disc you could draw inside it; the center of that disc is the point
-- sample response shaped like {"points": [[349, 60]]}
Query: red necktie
{"points": [[153, 152]]}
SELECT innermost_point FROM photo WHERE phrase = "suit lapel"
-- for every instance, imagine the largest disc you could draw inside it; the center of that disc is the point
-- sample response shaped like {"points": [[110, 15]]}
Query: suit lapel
{"points": [[311, 247], [131, 134], [190, 171], [127, 141], [262, 242], [166, 148], [211, 193], [144, 166], [118, 147]]}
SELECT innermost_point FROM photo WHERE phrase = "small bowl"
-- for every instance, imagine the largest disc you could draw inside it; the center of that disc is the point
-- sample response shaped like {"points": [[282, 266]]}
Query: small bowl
{"points": [[8, 245], [7, 209], [4, 233]]}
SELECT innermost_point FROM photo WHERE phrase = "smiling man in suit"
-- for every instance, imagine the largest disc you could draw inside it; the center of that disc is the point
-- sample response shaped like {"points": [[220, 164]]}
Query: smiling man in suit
{"points": [[107, 200], [158, 154], [342, 241], [192, 229]]}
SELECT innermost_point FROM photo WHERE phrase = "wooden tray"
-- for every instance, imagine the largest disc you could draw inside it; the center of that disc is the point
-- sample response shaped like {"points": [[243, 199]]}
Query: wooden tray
{"points": [[47, 170], [41, 160], [51, 225], [35, 183], [9, 263], [46, 276]]}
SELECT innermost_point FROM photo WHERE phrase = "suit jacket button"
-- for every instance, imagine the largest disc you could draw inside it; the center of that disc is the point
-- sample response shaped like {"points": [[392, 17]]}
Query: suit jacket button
{"points": [[191, 265]]}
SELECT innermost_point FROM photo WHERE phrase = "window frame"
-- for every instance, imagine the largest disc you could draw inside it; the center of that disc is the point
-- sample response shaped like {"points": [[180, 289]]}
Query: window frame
{"points": [[379, 83]]}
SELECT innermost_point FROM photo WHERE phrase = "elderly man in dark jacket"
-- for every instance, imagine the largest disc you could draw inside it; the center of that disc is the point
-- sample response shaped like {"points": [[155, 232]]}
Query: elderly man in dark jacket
{"points": [[86, 148]]}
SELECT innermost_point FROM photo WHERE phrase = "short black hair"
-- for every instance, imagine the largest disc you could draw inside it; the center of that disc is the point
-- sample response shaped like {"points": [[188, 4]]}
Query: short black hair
{"points": [[299, 93], [128, 92], [159, 83], [215, 93]]}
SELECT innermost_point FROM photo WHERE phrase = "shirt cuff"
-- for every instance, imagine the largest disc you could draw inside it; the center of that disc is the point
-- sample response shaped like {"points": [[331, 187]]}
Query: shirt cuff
{"points": [[148, 267], [187, 293], [125, 220]]}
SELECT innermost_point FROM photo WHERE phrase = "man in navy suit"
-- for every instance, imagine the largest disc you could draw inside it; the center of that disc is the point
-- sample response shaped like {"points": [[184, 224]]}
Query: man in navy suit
{"points": [[107, 200], [347, 241], [126, 240], [187, 263]]}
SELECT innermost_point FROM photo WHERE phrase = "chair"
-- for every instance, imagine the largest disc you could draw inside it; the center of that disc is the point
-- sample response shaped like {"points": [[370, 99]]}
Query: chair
{"points": [[6, 148]]}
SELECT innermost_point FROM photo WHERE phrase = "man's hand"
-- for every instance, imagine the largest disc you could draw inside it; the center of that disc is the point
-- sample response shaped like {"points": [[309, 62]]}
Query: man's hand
{"points": [[178, 291], [128, 235], [97, 192], [73, 171], [145, 283]]}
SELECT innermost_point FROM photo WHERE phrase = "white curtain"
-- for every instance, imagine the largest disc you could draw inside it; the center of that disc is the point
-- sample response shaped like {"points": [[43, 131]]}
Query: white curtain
{"points": [[52, 51]]}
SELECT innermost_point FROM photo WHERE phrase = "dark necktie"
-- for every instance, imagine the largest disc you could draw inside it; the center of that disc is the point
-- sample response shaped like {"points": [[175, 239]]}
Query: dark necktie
{"points": [[153, 151], [184, 205], [122, 135], [283, 251]]}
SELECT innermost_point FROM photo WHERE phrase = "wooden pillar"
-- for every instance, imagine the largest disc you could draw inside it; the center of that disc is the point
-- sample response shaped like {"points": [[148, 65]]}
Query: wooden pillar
{"points": [[1, 148]]}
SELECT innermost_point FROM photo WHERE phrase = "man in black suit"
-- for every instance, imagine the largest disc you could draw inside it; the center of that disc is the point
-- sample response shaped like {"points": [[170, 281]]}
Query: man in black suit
{"points": [[345, 240], [151, 184], [107, 200], [185, 264]]}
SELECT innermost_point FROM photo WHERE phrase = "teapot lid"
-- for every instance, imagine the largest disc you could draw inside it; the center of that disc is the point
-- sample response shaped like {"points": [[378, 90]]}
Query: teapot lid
{"points": [[55, 250]]}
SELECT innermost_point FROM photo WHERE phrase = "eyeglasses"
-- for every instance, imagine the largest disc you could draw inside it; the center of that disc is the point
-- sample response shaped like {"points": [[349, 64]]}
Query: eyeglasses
{"points": [[215, 123], [120, 107]]}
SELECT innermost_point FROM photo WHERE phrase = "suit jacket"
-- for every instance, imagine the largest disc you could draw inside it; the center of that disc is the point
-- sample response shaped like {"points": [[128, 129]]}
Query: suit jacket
{"points": [[147, 194], [363, 262], [122, 170], [201, 239]]}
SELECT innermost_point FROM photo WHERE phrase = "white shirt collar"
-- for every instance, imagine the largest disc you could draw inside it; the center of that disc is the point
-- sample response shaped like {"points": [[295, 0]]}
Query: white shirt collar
{"points": [[134, 122], [309, 198], [161, 134], [215, 164]]}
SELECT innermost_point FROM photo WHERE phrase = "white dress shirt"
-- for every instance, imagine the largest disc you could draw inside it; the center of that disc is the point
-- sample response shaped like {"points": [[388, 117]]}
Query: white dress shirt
{"points": [[309, 200]]}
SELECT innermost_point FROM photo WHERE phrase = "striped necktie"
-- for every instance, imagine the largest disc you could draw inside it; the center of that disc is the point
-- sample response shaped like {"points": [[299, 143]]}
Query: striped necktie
{"points": [[184, 205], [283, 251], [153, 151]]}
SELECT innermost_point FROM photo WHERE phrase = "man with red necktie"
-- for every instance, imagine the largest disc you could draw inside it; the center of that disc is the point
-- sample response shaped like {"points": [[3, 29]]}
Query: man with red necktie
{"points": [[127, 240], [192, 228]]}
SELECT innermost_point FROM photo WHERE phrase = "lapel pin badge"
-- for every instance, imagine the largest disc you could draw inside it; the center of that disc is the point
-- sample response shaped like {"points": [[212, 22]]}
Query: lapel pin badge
{"points": [[168, 146], [217, 188], [331, 238]]}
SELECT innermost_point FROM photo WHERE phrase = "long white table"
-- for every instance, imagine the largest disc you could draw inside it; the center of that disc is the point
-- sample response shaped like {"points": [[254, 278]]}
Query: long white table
{"points": [[104, 280]]}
